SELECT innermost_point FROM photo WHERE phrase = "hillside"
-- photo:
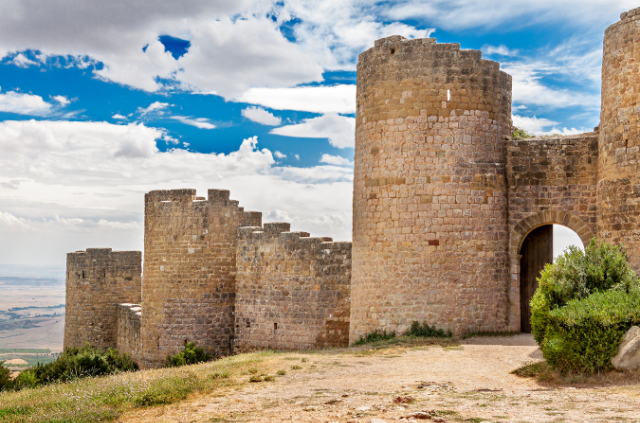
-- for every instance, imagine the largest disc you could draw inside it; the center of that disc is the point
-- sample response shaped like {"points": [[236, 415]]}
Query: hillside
{"points": [[465, 382]]}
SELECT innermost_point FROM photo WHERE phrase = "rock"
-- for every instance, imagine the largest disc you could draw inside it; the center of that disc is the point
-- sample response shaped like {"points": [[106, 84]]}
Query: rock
{"points": [[363, 408], [628, 357], [403, 400], [418, 415]]}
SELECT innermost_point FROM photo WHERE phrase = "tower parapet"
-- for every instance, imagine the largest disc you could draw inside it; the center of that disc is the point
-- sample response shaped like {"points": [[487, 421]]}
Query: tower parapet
{"points": [[189, 271], [97, 280], [619, 140], [430, 228]]}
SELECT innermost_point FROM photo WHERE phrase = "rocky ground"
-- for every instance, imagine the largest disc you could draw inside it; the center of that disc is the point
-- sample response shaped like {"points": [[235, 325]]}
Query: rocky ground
{"points": [[466, 382]]}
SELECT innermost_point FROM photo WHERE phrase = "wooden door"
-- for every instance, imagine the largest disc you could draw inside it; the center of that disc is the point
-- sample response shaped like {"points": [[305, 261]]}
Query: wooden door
{"points": [[536, 251]]}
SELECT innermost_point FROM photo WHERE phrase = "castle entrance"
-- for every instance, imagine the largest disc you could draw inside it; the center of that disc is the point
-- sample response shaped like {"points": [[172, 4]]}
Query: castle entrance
{"points": [[535, 253]]}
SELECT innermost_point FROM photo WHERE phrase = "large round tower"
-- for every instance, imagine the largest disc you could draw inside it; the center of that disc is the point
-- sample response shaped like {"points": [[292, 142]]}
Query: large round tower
{"points": [[430, 228], [619, 142]]}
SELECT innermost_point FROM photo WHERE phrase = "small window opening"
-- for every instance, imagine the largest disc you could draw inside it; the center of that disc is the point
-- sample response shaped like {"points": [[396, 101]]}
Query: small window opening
{"points": [[275, 326], [393, 51], [248, 324], [448, 95], [83, 274], [104, 273]]}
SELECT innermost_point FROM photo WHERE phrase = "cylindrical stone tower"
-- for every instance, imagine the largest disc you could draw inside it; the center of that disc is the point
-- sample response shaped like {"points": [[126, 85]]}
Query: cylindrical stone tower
{"points": [[430, 236], [619, 142]]}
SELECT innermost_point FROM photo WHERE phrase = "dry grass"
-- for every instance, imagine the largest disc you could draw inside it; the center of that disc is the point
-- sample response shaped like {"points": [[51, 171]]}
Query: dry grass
{"points": [[542, 373]]}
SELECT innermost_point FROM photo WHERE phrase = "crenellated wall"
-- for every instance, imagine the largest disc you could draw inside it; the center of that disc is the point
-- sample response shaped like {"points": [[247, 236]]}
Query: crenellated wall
{"points": [[97, 280], [189, 272], [292, 291]]}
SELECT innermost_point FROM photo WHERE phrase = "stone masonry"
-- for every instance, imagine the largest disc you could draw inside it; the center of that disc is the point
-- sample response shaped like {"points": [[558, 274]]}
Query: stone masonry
{"points": [[293, 291], [443, 200], [97, 280]]}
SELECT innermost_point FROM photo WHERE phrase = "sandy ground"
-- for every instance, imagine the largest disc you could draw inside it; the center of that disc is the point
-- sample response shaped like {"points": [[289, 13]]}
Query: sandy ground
{"points": [[470, 383], [16, 361]]}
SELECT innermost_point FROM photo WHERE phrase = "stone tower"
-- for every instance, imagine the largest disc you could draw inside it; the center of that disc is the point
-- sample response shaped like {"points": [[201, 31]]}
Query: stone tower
{"points": [[619, 142], [189, 272], [97, 280], [430, 234]]}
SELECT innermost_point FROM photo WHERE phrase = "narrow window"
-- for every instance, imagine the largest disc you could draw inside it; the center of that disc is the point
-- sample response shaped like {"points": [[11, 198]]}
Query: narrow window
{"points": [[393, 51], [275, 326], [83, 274]]}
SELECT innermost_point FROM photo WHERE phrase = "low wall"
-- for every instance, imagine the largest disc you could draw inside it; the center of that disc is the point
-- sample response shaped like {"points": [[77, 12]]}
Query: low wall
{"points": [[293, 291], [128, 331]]}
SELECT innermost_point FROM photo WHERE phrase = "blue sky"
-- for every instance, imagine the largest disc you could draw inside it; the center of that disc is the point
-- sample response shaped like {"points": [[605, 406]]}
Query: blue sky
{"points": [[100, 103]]}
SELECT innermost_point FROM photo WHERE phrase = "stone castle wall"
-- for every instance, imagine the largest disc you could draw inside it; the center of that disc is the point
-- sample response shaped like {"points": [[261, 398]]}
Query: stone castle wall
{"points": [[98, 279], [550, 181], [293, 291], [129, 321], [430, 234], [619, 143], [189, 272]]}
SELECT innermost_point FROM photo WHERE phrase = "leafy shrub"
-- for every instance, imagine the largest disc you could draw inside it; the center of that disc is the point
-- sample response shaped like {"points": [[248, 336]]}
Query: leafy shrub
{"points": [[191, 354], [255, 379], [584, 304], [5, 378], [584, 335], [281, 372], [220, 375], [520, 134], [576, 275], [75, 363], [375, 336], [426, 331]]}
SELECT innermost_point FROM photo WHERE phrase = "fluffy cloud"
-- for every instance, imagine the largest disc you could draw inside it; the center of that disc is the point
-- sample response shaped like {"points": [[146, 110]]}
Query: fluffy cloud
{"points": [[539, 126], [84, 182], [338, 129], [260, 115], [22, 61], [155, 108], [24, 104], [202, 123], [64, 101], [322, 99], [335, 160], [500, 50]]}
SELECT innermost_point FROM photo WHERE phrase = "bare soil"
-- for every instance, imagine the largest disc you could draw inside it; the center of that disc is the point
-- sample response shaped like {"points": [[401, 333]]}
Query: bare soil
{"points": [[455, 383]]}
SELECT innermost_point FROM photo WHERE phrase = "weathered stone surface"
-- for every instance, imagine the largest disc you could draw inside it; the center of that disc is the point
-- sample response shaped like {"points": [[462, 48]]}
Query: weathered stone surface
{"points": [[430, 235], [628, 357], [98, 279], [128, 332], [292, 291]]}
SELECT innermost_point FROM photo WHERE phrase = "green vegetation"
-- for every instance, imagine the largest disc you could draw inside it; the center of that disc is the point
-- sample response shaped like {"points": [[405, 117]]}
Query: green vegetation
{"points": [[5, 378], [584, 304], [426, 331], [191, 354], [521, 134], [74, 363], [416, 330], [490, 334], [107, 398]]}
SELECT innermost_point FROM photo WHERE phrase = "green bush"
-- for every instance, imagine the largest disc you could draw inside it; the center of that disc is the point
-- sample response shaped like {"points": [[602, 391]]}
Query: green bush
{"points": [[5, 378], [584, 335], [75, 363], [375, 336], [191, 354], [584, 304], [576, 275], [426, 331]]}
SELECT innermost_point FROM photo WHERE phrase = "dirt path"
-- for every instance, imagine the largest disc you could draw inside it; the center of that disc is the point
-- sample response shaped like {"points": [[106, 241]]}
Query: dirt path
{"points": [[466, 383]]}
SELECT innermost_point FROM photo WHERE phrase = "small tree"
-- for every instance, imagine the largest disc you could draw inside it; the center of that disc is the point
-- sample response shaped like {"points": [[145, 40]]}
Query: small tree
{"points": [[191, 354]]}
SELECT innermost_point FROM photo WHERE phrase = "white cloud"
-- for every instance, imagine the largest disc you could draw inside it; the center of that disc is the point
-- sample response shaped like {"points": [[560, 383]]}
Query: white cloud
{"points": [[202, 123], [339, 129], [64, 101], [22, 61], [157, 108], [82, 183], [538, 126], [260, 115], [297, 156], [335, 160], [500, 50], [563, 237], [24, 104], [279, 155], [118, 116], [320, 99]]}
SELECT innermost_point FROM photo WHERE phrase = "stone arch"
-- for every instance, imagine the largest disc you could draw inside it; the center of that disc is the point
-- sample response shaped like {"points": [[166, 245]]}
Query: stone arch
{"points": [[528, 224], [517, 236]]}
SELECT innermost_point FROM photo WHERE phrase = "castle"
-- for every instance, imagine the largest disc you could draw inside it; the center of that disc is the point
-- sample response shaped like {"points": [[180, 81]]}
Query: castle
{"points": [[451, 221]]}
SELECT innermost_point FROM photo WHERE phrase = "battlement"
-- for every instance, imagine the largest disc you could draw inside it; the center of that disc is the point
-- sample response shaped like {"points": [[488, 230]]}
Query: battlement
{"points": [[98, 279], [292, 290], [631, 14]]}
